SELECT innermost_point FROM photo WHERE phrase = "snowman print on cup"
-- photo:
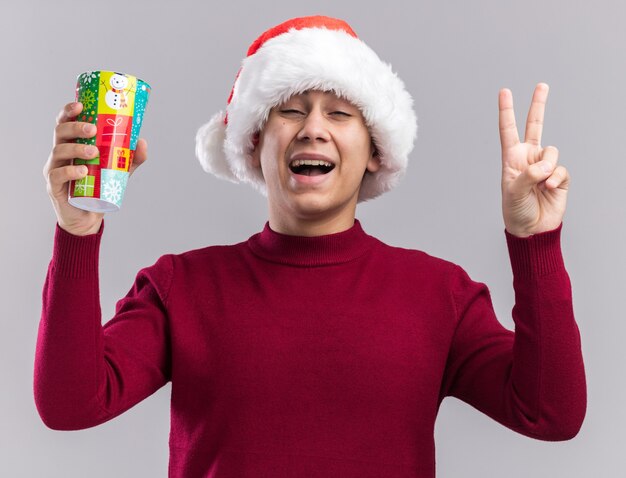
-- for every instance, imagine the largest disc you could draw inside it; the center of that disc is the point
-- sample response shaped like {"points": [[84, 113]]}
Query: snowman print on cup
{"points": [[115, 97]]}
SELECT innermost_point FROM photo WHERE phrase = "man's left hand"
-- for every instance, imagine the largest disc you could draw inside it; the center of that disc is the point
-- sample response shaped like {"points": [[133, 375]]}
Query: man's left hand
{"points": [[534, 188]]}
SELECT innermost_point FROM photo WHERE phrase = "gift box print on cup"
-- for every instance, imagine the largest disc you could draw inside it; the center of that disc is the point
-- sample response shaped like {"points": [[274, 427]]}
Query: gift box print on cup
{"points": [[115, 103]]}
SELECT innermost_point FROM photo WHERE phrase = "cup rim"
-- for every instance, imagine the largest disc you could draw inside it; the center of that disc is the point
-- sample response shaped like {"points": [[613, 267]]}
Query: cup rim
{"points": [[114, 71]]}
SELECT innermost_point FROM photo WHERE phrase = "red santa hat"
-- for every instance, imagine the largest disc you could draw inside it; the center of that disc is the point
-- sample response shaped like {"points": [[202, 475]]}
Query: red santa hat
{"points": [[310, 53]]}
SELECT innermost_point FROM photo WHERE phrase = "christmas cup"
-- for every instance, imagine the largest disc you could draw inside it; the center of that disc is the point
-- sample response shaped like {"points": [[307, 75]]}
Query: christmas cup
{"points": [[115, 103]]}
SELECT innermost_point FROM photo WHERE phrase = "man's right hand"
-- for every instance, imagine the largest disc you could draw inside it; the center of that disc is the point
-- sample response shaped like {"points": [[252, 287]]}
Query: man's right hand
{"points": [[59, 170]]}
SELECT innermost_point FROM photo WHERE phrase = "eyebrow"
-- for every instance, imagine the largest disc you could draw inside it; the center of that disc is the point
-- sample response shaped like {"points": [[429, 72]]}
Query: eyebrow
{"points": [[339, 98]]}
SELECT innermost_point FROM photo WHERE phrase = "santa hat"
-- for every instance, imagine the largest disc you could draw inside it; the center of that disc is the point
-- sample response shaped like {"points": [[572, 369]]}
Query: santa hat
{"points": [[310, 53]]}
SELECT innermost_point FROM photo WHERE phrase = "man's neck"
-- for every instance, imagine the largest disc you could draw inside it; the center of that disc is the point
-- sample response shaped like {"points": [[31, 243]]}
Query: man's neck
{"points": [[309, 227]]}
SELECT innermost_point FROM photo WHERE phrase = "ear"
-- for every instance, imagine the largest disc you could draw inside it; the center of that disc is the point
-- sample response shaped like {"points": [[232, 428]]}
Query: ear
{"points": [[373, 164], [256, 151]]}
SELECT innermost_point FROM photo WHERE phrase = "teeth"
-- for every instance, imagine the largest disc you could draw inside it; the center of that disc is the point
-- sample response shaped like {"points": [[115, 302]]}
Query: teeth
{"points": [[310, 162]]}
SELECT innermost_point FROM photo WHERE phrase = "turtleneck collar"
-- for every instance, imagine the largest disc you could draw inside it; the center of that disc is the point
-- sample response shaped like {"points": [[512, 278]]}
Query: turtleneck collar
{"points": [[322, 250]]}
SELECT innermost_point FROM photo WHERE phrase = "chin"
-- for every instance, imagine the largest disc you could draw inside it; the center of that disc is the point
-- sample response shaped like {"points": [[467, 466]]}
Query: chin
{"points": [[309, 204]]}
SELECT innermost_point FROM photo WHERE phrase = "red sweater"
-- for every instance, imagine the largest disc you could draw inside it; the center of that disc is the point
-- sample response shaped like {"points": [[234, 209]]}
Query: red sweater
{"points": [[310, 356]]}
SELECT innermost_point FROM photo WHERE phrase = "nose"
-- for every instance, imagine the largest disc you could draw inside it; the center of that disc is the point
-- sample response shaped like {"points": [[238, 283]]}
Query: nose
{"points": [[314, 127]]}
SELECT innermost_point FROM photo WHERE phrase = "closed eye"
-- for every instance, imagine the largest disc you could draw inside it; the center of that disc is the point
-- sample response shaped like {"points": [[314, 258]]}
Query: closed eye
{"points": [[341, 113], [291, 112]]}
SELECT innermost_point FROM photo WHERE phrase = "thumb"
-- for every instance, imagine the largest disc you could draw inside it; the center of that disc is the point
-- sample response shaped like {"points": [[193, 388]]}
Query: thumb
{"points": [[539, 171], [140, 156]]}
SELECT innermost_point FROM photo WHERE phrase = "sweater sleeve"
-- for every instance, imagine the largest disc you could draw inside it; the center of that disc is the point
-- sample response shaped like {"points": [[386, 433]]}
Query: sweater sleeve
{"points": [[531, 380], [86, 374]]}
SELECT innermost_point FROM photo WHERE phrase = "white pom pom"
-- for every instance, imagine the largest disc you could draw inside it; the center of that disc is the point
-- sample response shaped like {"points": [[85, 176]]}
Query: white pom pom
{"points": [[210, 148]]}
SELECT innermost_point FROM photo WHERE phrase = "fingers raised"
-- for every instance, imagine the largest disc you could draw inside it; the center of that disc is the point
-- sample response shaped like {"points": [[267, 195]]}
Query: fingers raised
{"points": [[534, 122], [508, 128]]}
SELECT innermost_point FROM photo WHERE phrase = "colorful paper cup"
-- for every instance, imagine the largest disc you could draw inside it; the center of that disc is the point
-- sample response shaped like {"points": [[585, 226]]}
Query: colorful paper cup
{"points": [[115, 103]]}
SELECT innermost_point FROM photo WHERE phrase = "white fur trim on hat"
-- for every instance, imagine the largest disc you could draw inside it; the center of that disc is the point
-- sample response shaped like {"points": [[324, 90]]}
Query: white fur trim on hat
{"points": [[210, 148], [312, 59]]}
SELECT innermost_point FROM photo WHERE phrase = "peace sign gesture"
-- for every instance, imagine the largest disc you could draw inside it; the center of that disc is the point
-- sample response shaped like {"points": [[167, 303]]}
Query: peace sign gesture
{"points": [[534, 189]]}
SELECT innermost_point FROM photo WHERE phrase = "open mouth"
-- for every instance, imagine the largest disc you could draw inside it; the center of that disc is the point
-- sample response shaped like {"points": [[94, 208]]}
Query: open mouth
{"points": [[311, 167]]}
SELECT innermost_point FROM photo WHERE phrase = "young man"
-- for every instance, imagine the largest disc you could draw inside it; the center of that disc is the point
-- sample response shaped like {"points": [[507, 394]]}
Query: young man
{"points": [[312, 348]]}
